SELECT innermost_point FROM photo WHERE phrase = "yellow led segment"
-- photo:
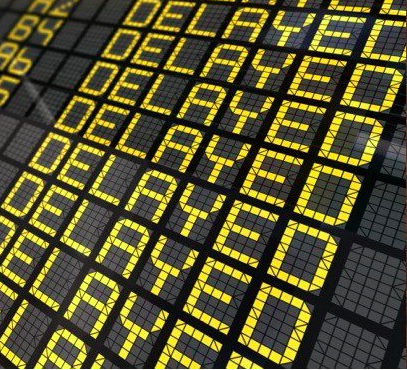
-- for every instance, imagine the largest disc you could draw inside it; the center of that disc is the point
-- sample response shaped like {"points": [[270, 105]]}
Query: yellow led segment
{"points": [[276, 268], [170, 12], [246, 114], [76, 163], [20, 64], [211, 105], [195, 213], [11, 229], [267, 71], [234, 65], [50, 356], [373, 40], [282, 122], [36, 288], [135, 16], [66, 237], [232, 226], [4, 92], [132, 252], [323, 33], [150, 45], [122, 33], [152, 92], [95, 190], [172, 142], [18, 253], [305, 74], [26, 179], [145, 188], [170, 65], [204, 290], [8, 292], [99, 308], [99, 362], [77, 103], [238, 361], [52, 138], [137, 332], [105, 126], [340, 5], [24, 27], [7, 52], [46, 206], [4, 350], [97, 73], [351, 96], [371, 141], [298, 330], [389, 7], [218, 161], [167, 270], [258, 172], [123, 83], [122, 144], [347, 204], [172, 351], [240, 20], [287, 31]]}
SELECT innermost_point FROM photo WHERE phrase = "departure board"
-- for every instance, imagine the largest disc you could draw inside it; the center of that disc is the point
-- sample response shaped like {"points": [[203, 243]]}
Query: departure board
{"points": [[202, 184]]}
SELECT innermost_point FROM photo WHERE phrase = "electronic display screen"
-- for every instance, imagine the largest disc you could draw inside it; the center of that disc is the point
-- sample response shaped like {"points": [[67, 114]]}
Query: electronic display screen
{"points": [[202, 184]]}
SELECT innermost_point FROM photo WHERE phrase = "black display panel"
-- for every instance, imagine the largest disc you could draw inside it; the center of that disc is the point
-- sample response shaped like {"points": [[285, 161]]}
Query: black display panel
{"points": [[202, 184]]}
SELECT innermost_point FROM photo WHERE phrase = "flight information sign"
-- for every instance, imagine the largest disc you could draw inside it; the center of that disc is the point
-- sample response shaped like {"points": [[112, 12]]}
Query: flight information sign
{"points": [[202, 183]]}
